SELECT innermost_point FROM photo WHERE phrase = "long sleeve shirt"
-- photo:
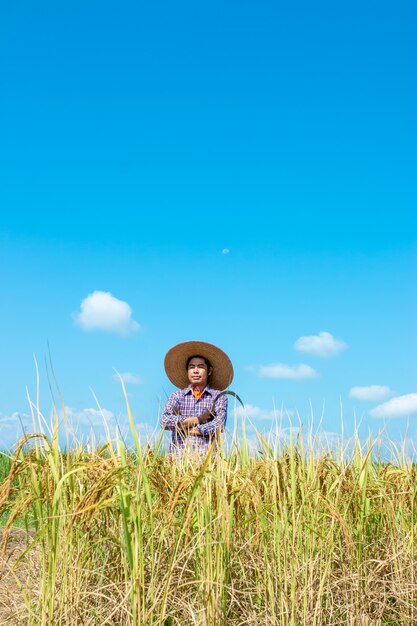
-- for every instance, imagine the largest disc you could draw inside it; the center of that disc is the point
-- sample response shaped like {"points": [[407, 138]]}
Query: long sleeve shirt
{"points": [[182, 404]]}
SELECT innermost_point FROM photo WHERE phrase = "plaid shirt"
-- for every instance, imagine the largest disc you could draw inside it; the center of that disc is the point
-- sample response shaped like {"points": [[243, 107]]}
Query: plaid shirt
{"points": [[182, 404]]}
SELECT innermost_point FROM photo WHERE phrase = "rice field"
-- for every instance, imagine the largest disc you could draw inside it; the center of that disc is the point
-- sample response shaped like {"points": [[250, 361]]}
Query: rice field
{"points": [[286, 536]]}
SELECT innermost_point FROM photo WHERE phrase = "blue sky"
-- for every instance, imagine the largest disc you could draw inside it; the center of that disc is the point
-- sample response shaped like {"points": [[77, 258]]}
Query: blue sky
{"points": [[241, 173]]}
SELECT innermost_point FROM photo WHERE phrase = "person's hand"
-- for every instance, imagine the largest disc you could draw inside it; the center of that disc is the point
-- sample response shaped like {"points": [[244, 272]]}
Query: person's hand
{"points": [[188, 422], [205, 417], [194, 431]]}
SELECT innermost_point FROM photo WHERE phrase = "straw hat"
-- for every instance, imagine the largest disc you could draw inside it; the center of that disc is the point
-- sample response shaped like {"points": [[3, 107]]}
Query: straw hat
{"points": [[176, 364]]}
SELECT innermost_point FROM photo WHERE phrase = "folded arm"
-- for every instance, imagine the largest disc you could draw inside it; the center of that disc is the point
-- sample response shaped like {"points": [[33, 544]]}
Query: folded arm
{"points": [[171, 417], [218, 422], [171, 414]]}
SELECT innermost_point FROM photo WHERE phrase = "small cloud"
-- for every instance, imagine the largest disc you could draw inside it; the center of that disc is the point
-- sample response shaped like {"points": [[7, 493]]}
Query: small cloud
{"points": [[13, 427], [257, 413], [225, 251], [248, 410], [323, 344], [128, 378], [291, 372], [401, 406], [100, 310], [146, 430], [87, 417], [373, 392], [14, 418]]}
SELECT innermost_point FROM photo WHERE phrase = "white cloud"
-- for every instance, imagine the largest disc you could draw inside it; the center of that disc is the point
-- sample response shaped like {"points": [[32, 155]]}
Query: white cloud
{"points": [[128, 378], [225, 251], [401, 406], [319, 443], [84, 417], [13, 427], [323, 344], [11, 419], [85, 426], [291, 372], [373, 392], [88, 417], [100, 310], [257, 413], [249, 410]]}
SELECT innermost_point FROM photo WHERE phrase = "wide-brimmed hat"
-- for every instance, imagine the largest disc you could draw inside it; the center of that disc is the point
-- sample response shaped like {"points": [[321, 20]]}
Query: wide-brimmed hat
{"points": [[176, 364]]}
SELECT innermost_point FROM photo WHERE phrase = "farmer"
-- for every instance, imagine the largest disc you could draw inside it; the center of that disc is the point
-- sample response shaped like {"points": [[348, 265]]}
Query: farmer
{"points": [[201, 371]]}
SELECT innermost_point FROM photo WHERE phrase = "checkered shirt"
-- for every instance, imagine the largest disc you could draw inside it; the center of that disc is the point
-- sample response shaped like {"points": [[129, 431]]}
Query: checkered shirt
{"points": [[185, 404]]}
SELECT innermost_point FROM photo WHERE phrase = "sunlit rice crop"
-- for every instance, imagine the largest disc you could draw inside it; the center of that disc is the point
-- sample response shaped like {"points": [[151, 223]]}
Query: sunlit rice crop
{"points": [[287, 536]]}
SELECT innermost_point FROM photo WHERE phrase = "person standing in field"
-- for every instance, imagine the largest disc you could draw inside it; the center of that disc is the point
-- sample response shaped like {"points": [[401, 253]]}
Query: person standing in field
{"points": [[193, 413]]}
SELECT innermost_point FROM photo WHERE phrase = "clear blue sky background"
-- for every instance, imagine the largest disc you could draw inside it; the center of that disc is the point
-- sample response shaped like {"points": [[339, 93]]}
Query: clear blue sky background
{"points": [[239, 172]]}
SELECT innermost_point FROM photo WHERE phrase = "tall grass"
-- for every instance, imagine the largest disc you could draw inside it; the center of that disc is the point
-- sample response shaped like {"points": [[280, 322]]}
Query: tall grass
{"points": [[132, 537]]}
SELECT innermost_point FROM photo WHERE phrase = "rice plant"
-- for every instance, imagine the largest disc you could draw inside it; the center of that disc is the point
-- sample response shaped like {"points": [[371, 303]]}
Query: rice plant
{"points": [[283, 536]]}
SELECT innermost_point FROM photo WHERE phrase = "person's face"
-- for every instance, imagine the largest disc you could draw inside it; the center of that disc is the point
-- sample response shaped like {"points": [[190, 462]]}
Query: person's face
{"points": [[198, 372]]}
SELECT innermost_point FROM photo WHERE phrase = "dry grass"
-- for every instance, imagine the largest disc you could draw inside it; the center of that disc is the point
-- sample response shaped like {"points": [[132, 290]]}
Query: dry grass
{"points": [[14, 568]]}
